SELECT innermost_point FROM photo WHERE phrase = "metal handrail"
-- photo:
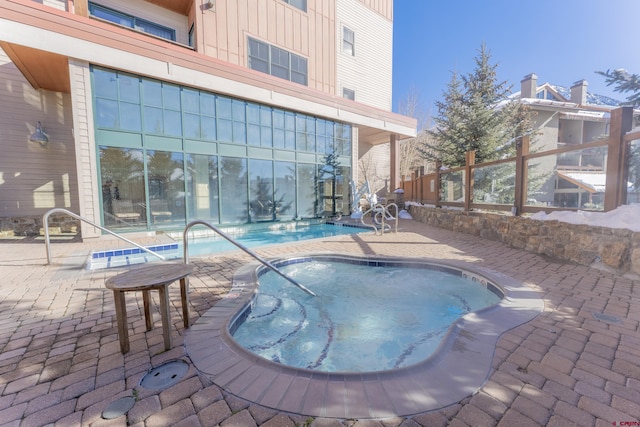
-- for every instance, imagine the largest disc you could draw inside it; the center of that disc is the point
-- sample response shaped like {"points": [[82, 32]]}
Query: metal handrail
{"points": [[381, 210], [239, 245], [45, 221]]}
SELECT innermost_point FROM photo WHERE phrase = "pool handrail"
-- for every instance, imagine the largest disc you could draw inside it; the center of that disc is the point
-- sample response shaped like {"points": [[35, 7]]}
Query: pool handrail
{"points": [[384, 213], [47, 242], [263, 261]]}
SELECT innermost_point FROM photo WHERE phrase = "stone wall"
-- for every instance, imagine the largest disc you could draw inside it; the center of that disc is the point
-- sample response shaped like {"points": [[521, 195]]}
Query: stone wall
{"points": [[32, 226], [616, 249]]}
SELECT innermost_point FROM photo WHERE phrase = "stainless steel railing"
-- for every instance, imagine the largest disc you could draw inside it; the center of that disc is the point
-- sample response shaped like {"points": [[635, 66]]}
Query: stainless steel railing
{"points": [[239, 245], [45, 221]]}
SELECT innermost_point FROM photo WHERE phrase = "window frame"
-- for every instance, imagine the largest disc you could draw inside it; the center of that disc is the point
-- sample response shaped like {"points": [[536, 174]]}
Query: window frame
{"points": [[261, 56], [349, 93], [134, 21], [348, 41], [298, 4]]}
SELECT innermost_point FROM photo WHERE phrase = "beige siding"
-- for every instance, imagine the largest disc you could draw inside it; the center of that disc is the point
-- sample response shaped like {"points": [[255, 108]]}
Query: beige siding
{"points": [[373, 51], [86, 168], [373, 165], [33, 178], [152, 13], [311, 35], [382, 7]]}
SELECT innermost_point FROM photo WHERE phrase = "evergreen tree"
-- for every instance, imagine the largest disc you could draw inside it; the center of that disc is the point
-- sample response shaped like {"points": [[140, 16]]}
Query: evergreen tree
{"points": [[624, 82], [476, 115], [446, 137]]}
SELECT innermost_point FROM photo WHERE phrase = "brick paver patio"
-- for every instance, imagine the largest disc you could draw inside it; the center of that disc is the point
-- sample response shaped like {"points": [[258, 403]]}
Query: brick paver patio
{"points": [[60, 361]]}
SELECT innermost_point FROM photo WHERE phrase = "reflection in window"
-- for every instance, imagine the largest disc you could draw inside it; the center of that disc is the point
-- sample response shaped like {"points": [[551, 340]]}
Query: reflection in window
{"points": [[261, 202], [131, 21], [165, 171], [233, 190], [123, 194], [202, 187], [285, 190], [306, 190], [278, 62]]}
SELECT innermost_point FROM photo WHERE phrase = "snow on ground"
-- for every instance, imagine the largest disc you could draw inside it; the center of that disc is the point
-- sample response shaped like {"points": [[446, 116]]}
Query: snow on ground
{"points": [[627, 216]]}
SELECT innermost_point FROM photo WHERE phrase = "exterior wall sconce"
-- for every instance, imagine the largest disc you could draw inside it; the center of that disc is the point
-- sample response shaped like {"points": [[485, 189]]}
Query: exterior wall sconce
{"points": [[39, 136]]}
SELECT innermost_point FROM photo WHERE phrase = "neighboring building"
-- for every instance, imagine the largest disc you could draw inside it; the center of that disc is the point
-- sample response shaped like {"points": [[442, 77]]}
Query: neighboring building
{"points": [[158, 112], [565, 117]]}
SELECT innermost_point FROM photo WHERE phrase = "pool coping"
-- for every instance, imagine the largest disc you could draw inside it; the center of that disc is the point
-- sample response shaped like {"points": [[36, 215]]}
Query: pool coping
{"points": [[456, 370]]}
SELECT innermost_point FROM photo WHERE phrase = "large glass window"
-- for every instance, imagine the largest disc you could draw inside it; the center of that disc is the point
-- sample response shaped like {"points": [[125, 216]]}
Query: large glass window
{"points": [[278, 62], [151, 181], [306, 190], [165, 173], [202, 188], [233, 190], [123, 188], [261, 202], [285, 190], [131, 21]]}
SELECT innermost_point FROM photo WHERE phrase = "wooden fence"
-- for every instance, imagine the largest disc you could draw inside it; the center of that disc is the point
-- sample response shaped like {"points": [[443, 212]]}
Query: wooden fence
{"points": [[513, 184]]}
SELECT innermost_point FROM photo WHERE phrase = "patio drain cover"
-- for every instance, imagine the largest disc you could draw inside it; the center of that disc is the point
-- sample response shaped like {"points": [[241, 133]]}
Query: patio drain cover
{"points": [[606, 317], [164, 375], [118, 408]]}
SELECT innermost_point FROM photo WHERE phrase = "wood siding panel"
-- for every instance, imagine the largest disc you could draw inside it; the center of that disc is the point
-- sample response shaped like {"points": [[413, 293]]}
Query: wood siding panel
{"points": [[373, 51], [33, 178], [86, 152], [310, 34]]}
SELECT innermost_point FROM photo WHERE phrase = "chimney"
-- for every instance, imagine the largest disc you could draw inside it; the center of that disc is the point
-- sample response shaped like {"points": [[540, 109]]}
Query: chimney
{"points": [[529, 86], [579, 92]]}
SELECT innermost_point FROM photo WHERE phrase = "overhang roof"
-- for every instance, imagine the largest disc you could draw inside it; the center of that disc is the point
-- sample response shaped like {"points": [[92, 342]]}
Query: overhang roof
{"points": [[41, 41]]}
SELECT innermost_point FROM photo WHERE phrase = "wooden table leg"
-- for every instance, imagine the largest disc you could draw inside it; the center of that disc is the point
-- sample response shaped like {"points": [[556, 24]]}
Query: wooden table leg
{"points": [[165, 313], [184, 294], [121, 318], [147, 312]]}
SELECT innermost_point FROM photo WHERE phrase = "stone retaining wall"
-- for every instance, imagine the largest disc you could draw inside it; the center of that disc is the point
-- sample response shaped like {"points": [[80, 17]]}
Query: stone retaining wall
{"points": [[617, 249]]}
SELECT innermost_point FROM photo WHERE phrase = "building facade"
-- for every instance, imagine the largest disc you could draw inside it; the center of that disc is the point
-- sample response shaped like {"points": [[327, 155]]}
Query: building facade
{"points": [[158, 112], [567, 117]]}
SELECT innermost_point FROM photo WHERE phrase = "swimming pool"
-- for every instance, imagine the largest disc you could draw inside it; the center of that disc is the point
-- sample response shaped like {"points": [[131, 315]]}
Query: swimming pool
{"points": [[206, 242], [456, 370], [367, 316]]}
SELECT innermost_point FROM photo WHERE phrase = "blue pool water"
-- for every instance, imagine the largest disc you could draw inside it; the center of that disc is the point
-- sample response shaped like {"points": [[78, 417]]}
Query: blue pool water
{"points": [[367, 316], [216, 244]]}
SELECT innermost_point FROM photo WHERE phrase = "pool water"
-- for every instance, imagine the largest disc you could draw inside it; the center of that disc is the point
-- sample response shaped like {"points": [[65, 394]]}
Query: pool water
{"points": [[216, 244], [367, 316]]}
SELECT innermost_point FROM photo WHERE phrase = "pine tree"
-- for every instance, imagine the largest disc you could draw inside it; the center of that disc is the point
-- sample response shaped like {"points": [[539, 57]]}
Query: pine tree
{"points": [[624, 82], [446, 137], [475, 115]]}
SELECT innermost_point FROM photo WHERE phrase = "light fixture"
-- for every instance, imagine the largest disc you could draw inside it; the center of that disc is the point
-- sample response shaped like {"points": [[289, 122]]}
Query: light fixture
{"points": [[39, 136]]}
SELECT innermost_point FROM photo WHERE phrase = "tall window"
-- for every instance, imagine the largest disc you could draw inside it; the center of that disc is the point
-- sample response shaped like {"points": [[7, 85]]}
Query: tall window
{"points": [[348, 41], [131, 21], [277, 62], [300, 4]]}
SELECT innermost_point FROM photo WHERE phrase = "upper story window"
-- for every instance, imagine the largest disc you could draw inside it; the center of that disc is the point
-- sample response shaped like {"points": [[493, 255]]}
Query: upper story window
{"points": [[131, 22], [277, 62], [349, 93], [348, 41], [300, 4]]}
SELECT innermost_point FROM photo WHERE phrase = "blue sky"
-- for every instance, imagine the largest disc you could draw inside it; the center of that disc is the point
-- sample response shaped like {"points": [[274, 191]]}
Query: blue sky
{"points": [[562, 41]]}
